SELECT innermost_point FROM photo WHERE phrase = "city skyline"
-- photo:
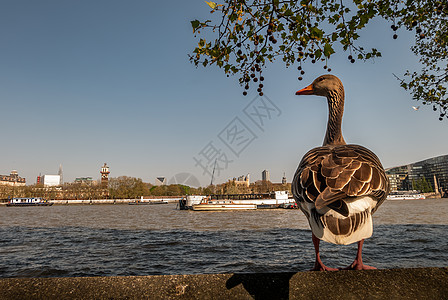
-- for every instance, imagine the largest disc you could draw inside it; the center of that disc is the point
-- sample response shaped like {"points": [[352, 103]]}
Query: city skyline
{"points": [[88, 82], [184, 178]]}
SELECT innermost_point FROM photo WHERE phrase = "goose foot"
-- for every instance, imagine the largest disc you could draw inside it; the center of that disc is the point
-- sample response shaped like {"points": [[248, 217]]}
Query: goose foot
{"points": [[318, 264], [357, 263]]}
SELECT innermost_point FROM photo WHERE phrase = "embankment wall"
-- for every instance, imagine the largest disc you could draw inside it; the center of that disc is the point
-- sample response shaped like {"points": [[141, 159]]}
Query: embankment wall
{"points": [[419, 283]]}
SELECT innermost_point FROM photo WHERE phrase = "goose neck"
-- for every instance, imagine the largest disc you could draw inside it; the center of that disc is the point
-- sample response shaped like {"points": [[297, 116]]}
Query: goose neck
{"points": [[333, 135]]}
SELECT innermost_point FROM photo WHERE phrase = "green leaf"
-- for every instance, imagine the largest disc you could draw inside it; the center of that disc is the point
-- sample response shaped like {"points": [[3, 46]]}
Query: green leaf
{"points": [[328, 50], [195, 24]]}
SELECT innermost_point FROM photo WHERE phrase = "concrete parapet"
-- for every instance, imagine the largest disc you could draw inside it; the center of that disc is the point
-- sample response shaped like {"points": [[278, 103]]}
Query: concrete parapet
{"points": [[420, 283]]}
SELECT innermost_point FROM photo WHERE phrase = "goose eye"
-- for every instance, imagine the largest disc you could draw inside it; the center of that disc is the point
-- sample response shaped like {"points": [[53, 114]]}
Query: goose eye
{"points": [[320, 79]]}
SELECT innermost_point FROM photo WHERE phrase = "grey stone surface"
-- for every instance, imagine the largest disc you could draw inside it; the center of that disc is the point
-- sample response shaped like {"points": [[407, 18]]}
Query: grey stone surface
{"points": [[421, 283]]}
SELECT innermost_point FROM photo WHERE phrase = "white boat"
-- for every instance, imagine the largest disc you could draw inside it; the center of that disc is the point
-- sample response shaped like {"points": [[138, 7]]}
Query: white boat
{"points": [[209, 205], [277, 199], [31, 201], [190, 200], [405, 195], [150, 202]]}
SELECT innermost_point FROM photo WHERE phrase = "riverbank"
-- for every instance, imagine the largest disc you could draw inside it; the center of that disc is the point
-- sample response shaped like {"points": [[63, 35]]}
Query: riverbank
{"points": [[106, 201], [421, 283]]}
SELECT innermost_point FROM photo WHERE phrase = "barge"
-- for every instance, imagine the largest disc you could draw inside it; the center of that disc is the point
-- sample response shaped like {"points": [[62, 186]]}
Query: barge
{"points": [[277, 199], [150, 202], [405, 195], [215, 205], [31, 201]]}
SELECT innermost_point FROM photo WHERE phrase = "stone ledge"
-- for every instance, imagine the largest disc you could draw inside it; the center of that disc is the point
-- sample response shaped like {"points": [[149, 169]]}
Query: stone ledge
{"points": [[419, 283]]}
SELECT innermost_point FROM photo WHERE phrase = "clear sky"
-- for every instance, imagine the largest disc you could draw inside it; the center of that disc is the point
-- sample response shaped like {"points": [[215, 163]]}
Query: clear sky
{"points": [[87, 82]]}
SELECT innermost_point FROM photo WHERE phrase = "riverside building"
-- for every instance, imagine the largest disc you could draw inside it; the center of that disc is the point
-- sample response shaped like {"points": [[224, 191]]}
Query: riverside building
{"points": [[265, 175], [433, 170], [12, 179], [51, 180], [242, 180]]}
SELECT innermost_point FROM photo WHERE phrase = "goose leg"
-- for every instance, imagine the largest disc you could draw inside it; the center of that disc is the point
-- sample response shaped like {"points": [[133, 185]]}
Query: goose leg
{"points": [[357, 263], [318, 264]]}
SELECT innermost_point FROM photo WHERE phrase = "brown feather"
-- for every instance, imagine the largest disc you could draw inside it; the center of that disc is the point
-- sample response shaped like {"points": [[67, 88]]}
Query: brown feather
{"points": [[347, 153], [342, 161], [329, 168], [304, 178], [375, 182], [340, 207], [332, 173], [364, 173], [342, 180], [364, 189], [353, 187], [311, 194], [356, 164]]}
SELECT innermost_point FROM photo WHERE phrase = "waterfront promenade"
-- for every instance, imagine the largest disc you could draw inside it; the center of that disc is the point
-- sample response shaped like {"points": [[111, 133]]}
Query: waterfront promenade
{"points": [[108, 201], [420, 283]]}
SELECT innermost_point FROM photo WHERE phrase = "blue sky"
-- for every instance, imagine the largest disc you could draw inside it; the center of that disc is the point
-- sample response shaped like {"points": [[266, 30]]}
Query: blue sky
{"points": [[88, 82]]}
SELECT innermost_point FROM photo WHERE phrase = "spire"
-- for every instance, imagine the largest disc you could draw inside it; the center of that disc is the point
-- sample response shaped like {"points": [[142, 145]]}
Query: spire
{"points": [[60, 173]]}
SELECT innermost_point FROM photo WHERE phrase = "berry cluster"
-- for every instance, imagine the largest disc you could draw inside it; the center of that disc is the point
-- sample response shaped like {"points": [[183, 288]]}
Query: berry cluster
{"points": [[247, 78], [351, 59], [394, 28], [442, 113], [441, 8], [269, 33], [310, 55]]}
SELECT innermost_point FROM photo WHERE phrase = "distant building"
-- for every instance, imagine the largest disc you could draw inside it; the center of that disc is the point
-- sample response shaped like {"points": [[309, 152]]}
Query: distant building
{"points": [[160, 181], [265, 176], [434, 170], [104, 176], [12, 179], [60, 173], [242, 180], [51, 180], [84, 180], [398, 178], [284, 179]]}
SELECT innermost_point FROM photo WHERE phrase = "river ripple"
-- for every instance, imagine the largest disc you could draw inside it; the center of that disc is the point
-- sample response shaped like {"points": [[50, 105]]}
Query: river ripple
{"points": [[106, 240]]}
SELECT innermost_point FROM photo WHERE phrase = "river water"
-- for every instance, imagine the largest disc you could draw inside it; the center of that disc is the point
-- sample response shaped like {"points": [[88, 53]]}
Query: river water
{"points": [[123, 240]]}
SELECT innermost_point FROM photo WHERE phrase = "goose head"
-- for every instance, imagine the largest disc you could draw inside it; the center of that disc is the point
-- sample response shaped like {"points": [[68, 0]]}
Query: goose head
{"points": [[325, 85], [331, 87]]}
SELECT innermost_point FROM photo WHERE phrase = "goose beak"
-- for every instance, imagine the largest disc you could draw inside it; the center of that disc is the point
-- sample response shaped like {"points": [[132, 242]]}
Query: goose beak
{"points": [[306, 91]]}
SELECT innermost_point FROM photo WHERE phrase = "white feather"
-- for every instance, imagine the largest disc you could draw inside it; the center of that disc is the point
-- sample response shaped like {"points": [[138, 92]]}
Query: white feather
{"points": [[363, 205]]}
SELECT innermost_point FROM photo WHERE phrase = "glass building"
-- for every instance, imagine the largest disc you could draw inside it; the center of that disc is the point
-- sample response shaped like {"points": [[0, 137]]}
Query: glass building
{"points": [[433, 170]]}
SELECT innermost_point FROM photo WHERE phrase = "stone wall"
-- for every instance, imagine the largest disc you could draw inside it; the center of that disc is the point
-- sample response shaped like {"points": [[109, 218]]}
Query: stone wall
{"points": [[421, 283]]}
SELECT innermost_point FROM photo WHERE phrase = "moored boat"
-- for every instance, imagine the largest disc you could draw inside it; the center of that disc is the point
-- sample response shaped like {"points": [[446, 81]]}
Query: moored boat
{"points": [[405, 195], [31, 201], [150, 202], [213, 205], [277, 199]]}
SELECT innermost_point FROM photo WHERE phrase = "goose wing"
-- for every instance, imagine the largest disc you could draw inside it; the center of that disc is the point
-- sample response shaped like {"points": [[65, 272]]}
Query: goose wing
{"points": [[327, 175]]}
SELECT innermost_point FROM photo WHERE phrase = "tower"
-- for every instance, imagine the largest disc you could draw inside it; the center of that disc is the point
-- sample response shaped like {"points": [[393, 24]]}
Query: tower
{"points": [[436, 186], [265, 176], [104, 176], [60, 172], [284, 178]]}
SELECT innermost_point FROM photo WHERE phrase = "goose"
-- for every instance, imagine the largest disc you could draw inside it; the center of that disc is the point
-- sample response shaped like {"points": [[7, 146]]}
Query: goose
{"points": [[338, 186]]}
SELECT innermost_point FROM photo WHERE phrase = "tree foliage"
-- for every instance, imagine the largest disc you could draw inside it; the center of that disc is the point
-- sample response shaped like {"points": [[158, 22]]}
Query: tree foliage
{"points": [[125, 187], [245, 36], [422, 185]]}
